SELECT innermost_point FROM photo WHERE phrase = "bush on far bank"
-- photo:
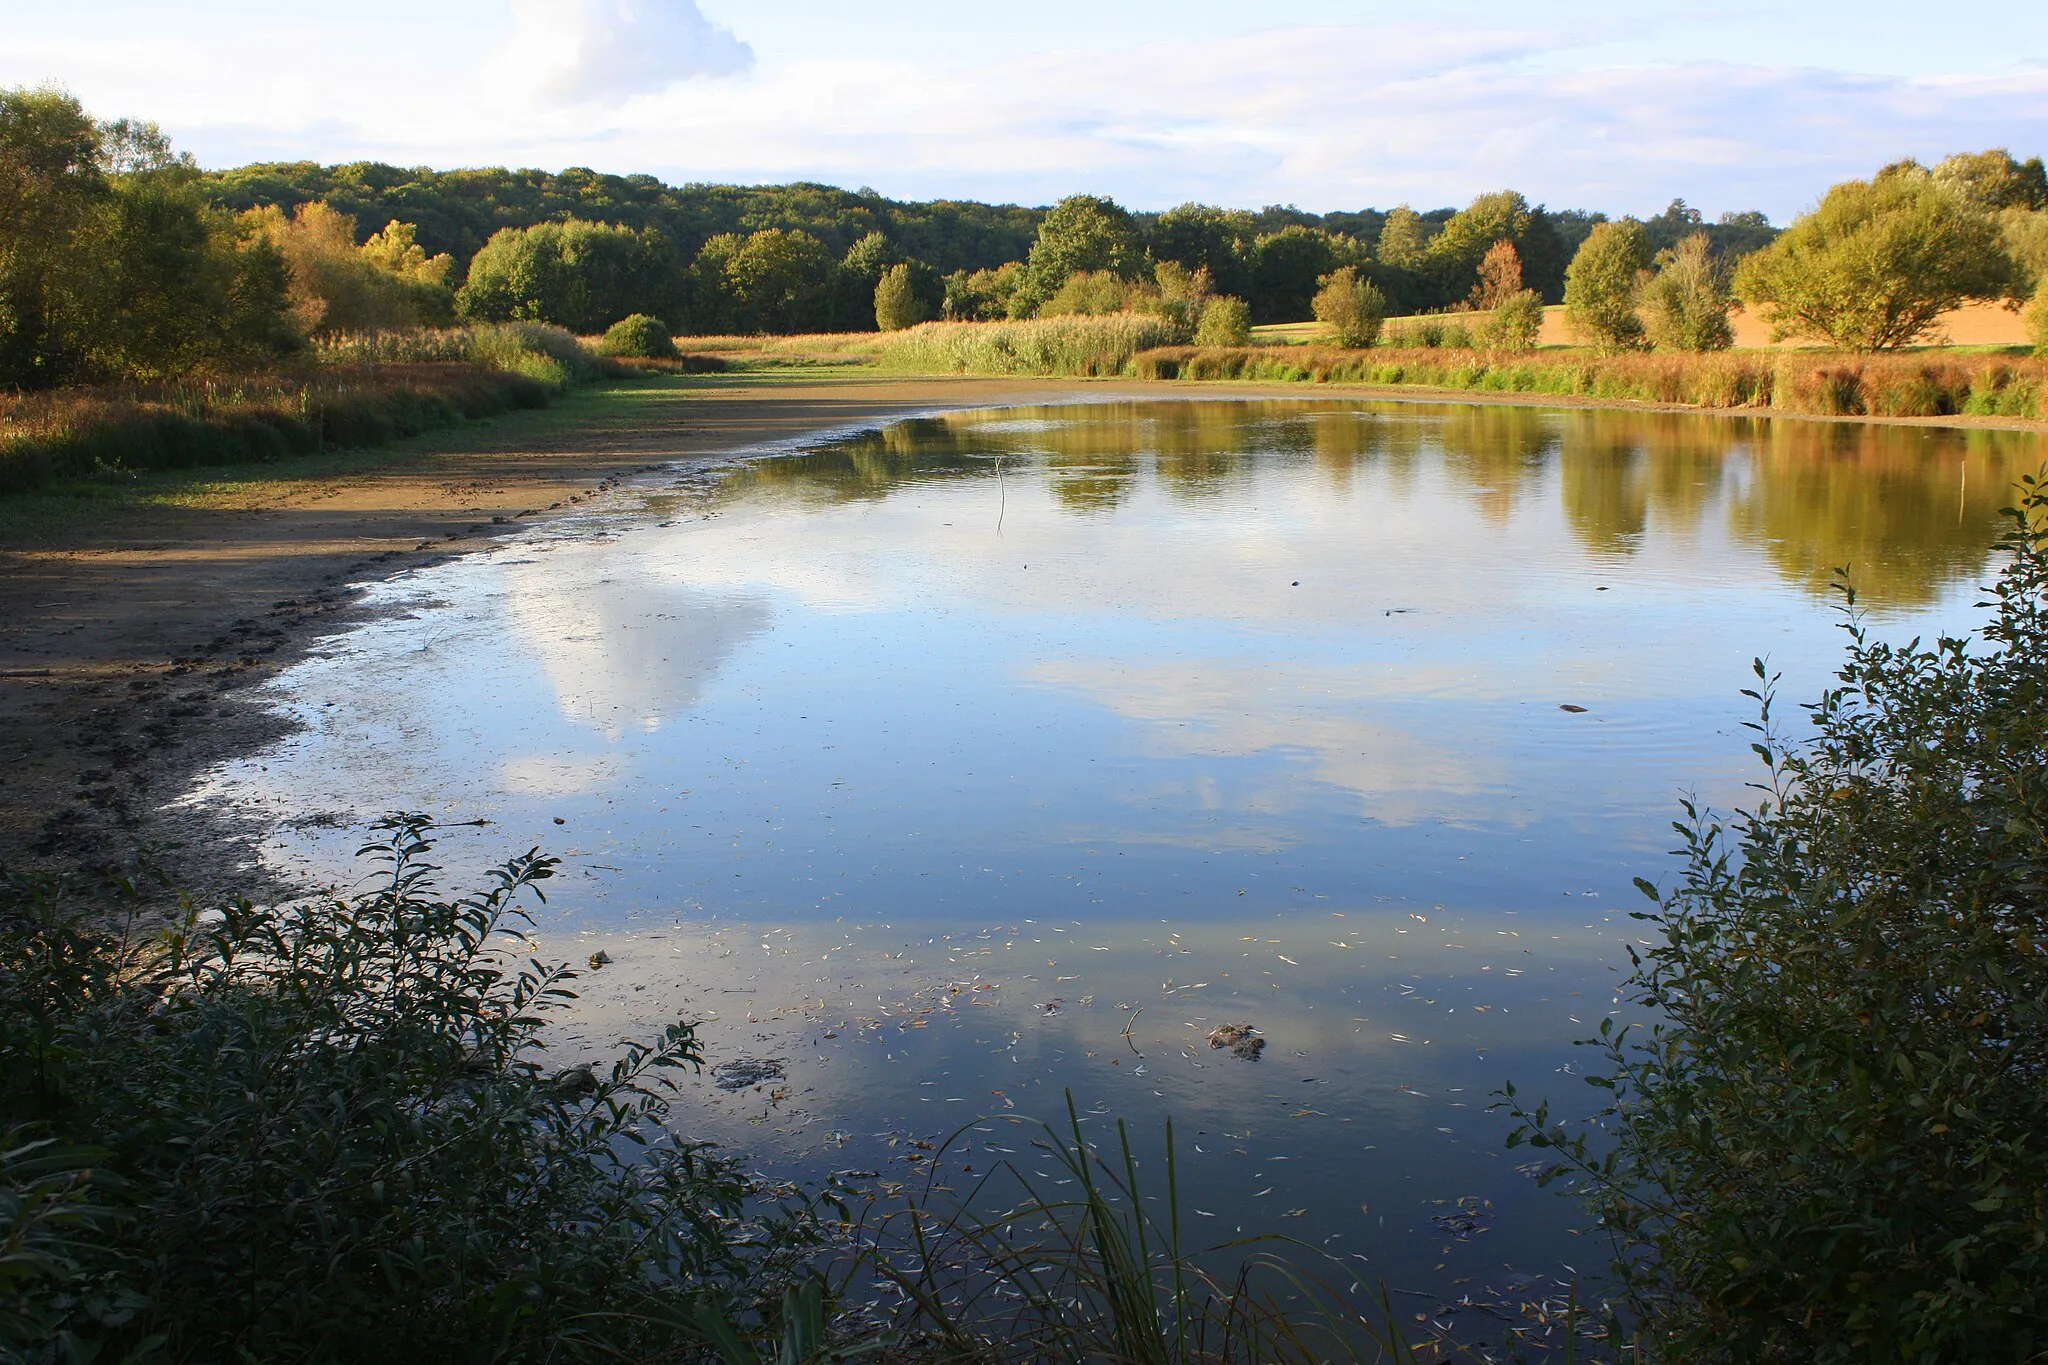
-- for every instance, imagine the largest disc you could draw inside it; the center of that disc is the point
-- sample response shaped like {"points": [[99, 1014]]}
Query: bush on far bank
{"points": [[638, 336]]}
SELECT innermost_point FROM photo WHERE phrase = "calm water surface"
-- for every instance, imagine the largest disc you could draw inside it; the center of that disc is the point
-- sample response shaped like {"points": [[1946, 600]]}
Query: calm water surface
{"points": [[930, 760]]}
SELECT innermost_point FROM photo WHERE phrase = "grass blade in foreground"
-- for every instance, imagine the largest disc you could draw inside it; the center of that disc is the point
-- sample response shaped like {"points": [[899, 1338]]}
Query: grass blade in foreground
{"points": [[1094, 1276]]}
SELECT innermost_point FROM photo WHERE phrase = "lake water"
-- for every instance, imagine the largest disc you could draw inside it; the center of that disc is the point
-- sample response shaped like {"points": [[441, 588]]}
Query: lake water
{"points": [[996, 754]]}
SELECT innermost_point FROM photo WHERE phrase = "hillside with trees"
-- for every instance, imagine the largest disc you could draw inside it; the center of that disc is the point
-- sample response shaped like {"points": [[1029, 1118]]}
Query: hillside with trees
{"points": [[995, 260], [123, 260]]}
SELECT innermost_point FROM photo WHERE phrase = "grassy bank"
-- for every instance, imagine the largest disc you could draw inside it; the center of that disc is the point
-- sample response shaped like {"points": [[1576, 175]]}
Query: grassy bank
{"points": [[1924, 383], [1917, 385], [358, 391]]}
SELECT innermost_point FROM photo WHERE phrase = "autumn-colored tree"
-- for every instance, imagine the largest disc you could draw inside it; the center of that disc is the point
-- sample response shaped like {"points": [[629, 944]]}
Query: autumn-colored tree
{"points": [[338, 286], [1500, 276]]}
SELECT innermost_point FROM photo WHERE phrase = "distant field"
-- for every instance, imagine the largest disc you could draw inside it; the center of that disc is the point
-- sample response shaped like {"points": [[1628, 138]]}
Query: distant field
{"points": [[1974, 324]]}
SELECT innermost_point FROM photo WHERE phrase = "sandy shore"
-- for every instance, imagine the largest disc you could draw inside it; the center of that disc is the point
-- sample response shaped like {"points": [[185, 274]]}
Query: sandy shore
{"points": [[130, 641]]}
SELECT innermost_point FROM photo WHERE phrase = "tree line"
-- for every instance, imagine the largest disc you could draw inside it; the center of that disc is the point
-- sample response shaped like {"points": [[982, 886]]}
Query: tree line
{"points": [[1871, 268], [122, 259]]}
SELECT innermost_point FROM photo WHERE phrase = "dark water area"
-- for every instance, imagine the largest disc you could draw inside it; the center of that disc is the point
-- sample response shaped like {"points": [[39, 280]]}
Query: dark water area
{"points": [[989, 756]]}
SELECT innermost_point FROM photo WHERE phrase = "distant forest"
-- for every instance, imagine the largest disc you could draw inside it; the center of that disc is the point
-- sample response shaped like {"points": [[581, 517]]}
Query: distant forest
{"points": [[1271, 257]]}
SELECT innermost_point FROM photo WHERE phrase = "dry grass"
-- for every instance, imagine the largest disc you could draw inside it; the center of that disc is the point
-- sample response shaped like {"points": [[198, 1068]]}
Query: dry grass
{"points": [[1071, 346], [1973, 324], [1910, 385], [108, 431], [361, 389], [776, 352]]}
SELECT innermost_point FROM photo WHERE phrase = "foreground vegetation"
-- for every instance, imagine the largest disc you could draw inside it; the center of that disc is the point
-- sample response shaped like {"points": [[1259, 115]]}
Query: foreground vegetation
{"points": [[319, 1132], [325, 1130], [1827, 1142]]}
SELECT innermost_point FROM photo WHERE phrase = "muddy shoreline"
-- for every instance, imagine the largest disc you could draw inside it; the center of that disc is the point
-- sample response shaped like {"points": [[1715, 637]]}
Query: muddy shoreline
{"points": [[132, 648]]}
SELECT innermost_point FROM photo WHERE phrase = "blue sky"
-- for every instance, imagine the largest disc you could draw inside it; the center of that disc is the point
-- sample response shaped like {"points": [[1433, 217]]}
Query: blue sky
{"points": [[1589, 103]]}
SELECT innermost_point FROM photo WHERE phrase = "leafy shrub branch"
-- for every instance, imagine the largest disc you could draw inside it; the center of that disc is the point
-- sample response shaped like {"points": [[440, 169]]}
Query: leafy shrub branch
{"points": [[1827, 1145], [323, 1131]]}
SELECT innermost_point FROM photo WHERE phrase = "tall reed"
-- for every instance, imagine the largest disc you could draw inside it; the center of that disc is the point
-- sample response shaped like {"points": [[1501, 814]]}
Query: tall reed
{"points": [[364, 390], [1069, 347], [1094, 1276], [1825, 384]]}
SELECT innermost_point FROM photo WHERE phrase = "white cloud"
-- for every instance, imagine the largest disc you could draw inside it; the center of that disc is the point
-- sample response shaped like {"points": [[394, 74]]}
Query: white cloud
{"points": [[606, 51], [1338, 115]]}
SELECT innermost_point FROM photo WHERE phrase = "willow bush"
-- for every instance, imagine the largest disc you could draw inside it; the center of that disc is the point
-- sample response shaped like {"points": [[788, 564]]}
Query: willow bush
{"points": [[1829, 1142], [323, 1131]]}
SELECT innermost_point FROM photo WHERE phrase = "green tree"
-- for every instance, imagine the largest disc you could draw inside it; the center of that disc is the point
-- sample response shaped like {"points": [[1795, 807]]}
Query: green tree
{"points": [[580, 275], [1179, 294], [1877, 263], [183, 287], [1201, 237], [867, 259], [1600, 287], [1472, 230], [52, 201], [710, 304], [639, 337], [1404, 238], [1514, 324], [2024, 233], [2037, 320], [983, 295], [1685, 304], [1081, 234], [1678, 221], [1351, 308], [781, 278], [1091, 293], [1993, 180], [858, 276], [897, 301], [1225, 321], [1453, 256], [113, 264], [1288, 267]]}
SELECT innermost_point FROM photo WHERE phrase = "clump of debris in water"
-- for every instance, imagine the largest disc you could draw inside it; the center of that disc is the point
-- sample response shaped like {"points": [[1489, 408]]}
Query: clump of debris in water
{"points": [[1242, 1040]]}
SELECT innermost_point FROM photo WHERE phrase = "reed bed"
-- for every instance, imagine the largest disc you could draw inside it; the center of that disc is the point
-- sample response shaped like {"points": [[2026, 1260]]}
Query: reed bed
{"points": [[362, 390], [1816, 383], [548, 355], [712, 354], [1067, 347]]}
